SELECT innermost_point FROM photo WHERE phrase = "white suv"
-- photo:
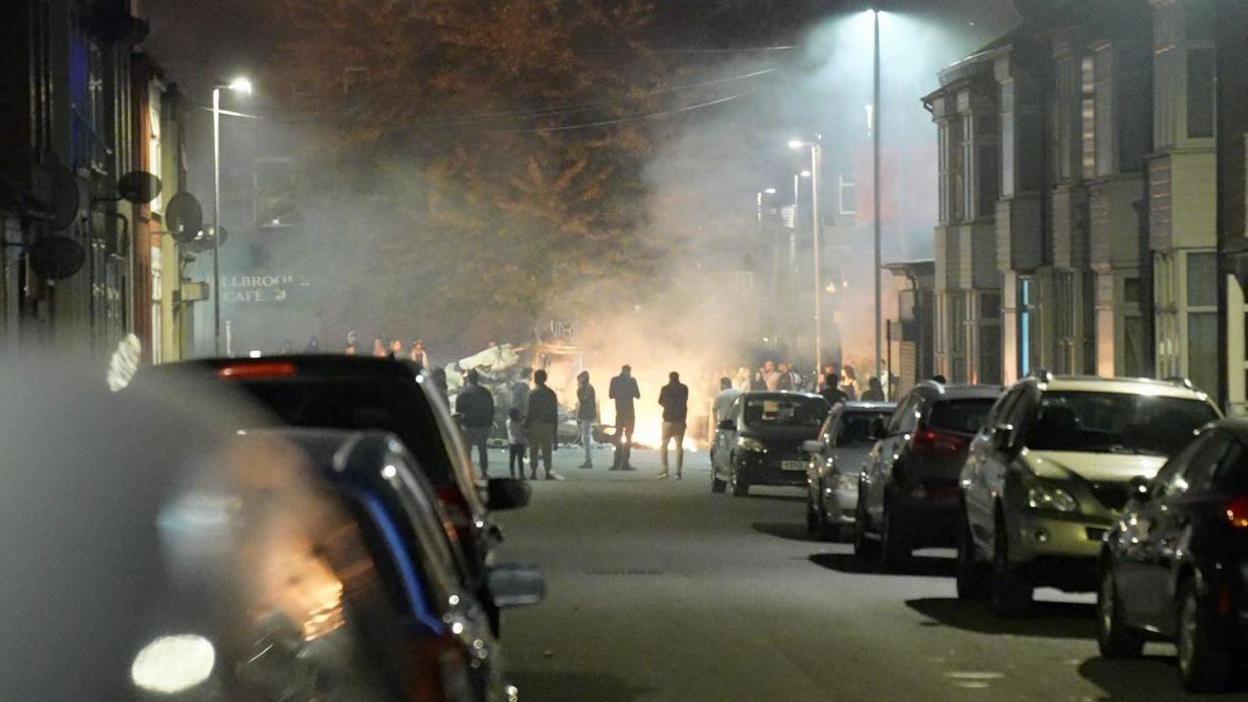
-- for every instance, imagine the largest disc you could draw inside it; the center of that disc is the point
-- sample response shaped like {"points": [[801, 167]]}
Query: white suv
{"points": [[1049, 472]]}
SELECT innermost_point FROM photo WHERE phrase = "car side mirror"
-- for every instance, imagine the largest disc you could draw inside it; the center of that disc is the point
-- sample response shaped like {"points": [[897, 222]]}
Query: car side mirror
{"points": [[812, 446], [1002, 437], [1139, 489], [515, 584], [727, 425], [507, 493], [878, 429]]}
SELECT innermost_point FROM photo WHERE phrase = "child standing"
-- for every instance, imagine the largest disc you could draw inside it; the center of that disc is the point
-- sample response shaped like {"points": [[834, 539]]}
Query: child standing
{"points": [[517, 441]]}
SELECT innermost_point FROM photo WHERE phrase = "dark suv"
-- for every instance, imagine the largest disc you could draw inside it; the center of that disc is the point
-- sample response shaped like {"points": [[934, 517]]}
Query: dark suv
{"points": [[908, 493]]}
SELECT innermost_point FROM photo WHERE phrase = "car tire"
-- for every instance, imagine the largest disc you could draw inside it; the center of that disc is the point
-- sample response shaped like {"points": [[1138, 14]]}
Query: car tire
{"points": [[1011, 591], [740, 488], [864, 547], [824, 530], [1203, 667], [974, 579], [1113, 637], [894, 551]]}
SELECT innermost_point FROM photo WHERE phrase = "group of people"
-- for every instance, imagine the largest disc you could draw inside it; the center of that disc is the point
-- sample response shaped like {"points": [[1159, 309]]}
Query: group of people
{"points": [[532, 420], [395, 348], [840, 384]]}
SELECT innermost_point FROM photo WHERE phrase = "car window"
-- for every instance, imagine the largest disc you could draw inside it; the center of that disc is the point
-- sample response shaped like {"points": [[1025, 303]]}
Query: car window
{"points": [[785, 411], [1195, 470], [1001, 408], [964, 416], [905, 419], [1111, 422], [827, 431], [855, 428], [1232, 473]]}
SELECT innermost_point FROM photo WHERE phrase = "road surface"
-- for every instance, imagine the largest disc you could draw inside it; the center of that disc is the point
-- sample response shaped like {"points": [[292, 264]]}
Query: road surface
{"points": [[662, 591]]}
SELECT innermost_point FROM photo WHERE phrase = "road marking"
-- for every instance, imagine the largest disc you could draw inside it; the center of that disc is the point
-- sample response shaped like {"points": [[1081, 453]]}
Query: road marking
{"points": [[970, 675]]}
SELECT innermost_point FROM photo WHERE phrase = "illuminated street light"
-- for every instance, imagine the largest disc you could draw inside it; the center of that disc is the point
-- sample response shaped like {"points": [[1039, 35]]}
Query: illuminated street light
{"points": [[770, 191], [240, 85]]}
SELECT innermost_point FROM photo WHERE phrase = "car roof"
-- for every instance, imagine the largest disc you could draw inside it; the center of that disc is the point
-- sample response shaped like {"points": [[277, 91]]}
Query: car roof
{"points": [[1238, 427], [861, 406], [1131, 386], [961, 391], [309, 365], [781, 395]]}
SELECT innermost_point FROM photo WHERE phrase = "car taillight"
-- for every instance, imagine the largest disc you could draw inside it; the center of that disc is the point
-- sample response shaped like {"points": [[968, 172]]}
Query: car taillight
{"points": [[444, 669], [1237, 512], [252, 371], [929, 442]]}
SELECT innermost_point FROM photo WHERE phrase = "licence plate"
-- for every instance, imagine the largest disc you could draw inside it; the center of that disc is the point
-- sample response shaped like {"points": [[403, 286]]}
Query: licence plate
{"points": [[792, 465]]}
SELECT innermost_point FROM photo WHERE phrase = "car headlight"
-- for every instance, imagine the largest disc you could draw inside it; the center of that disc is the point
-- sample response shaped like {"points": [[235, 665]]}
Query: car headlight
{"points": [[748, 444], [1051, 499]]}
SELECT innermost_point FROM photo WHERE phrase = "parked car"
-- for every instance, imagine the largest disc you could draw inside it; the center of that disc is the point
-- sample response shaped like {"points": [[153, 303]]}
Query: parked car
{"points": [[908, 496], [836, 459], [760, 440], [406, 528], [1174, 566], [355, 392], [1050, 471]]}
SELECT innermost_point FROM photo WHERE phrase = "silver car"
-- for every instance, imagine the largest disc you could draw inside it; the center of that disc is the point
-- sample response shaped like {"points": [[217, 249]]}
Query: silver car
{"points": [[836, 458]]}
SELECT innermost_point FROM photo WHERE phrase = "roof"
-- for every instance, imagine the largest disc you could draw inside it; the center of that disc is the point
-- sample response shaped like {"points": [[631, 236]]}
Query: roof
{"points": [[1131, 386], [305, 365], [949, 391], [780, 395], [859, 406]]}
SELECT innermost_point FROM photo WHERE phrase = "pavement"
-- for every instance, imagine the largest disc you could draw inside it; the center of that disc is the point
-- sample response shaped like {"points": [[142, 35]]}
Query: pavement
{"points": [[661, 590]]}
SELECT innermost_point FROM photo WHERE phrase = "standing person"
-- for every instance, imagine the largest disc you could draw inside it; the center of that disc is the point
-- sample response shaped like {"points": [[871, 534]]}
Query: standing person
{"points": [[353, 344], [419, 355], [674, 398], [439, 382], [831, 391], [586, 413], [517, 443], [396, 348], [520, 391], [540, 421], [379, 348], [768, 378], [723, 401], [624, 390], [875, 391], [314, 345], [475, 407], [849, 383]]}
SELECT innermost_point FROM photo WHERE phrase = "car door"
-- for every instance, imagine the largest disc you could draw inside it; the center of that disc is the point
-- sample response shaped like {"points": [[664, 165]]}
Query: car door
{"points": [[1168, 517], [886, 450], [997, 464], [975, 493], [726, 439], [821, 462]]}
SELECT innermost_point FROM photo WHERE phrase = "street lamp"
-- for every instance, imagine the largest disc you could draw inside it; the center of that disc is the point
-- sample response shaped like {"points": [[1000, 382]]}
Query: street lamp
{"points": [[816, 161], [242, 86], [792, 287], [875, 134]]}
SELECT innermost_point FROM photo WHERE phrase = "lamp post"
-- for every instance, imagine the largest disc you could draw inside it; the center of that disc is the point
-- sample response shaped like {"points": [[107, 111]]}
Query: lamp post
{"points": [[875, 133], [816, 161], [791, 292], [243, 86]]}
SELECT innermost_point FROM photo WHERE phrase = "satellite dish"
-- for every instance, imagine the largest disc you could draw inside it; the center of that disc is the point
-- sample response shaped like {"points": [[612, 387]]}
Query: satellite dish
{"points": [[57, 190], [204, 242], [139, 187], [184, 218], [56, 257]]}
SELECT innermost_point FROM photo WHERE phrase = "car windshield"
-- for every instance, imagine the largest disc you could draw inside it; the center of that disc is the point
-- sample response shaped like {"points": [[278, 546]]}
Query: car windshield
{"points": [[856, 428], [962, 416], [1104, 422], [361, 404], [785, 412]]}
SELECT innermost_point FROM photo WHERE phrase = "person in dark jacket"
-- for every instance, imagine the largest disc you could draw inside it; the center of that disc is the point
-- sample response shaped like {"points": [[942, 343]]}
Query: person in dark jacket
{"points": [[874, 391], [674, 397], [540, 420], [586, 413], [624, 390], [830, 391], [475, 407]]}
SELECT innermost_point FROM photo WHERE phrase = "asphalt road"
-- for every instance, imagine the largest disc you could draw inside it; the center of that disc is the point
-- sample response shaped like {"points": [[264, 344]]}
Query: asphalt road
{"points": [[660, 590]]}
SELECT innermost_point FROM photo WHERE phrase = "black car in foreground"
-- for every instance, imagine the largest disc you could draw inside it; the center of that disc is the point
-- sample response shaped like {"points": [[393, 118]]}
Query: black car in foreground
{"points": [[760, 440], [1175, 566], [354, 392]]}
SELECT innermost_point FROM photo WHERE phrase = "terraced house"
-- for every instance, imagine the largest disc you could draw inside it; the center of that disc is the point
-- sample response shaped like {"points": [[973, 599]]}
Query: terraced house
{"points": [[1077, 185]]}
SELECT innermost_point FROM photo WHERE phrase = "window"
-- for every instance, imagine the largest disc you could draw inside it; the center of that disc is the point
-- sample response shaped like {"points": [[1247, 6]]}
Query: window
{"points": [[1116, 422], [965, 416], [1087, 112], [1007, 139], [1063, 130], [969, 184], [1026, 318], [846, 194], [1200, 93], [957, 340], [1105, 148], [943, 159], [1202, 320], [957, 172], [1065, 321], [989, 338]]}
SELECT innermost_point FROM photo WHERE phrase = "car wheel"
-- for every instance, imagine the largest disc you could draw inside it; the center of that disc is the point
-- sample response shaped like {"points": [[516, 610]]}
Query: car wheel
{"points": [[739, 487], [864, 546], [973, 578], [1011, 591], [1112, 636], [1203, 667], [894, 549]]}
